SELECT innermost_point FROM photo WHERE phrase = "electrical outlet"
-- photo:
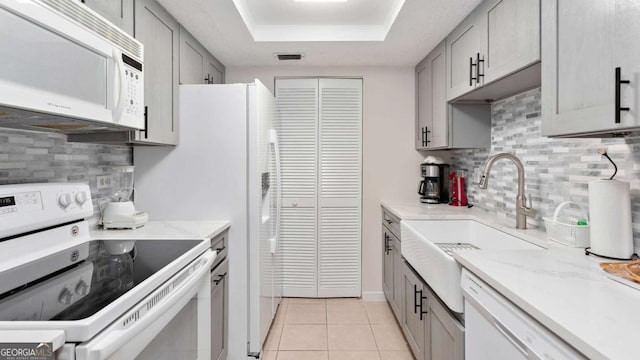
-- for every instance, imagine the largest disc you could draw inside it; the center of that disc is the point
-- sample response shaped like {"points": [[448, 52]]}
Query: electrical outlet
{"points": [[104, 182]]}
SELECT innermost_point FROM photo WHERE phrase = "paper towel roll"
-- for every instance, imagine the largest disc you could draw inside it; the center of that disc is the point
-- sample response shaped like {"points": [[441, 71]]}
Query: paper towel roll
{"points": [[610, 218]]}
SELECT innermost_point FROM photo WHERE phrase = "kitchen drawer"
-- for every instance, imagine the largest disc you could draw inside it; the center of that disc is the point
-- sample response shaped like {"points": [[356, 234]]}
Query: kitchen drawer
{"points": [[220, 244], [391, 222]]}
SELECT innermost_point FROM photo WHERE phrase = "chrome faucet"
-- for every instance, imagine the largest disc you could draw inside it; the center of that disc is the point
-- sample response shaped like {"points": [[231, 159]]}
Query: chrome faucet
{"points": [[522, 211]]}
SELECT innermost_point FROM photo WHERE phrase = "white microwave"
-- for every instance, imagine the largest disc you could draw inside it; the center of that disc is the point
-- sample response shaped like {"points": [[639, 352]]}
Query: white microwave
{"points": [[65, 68]]}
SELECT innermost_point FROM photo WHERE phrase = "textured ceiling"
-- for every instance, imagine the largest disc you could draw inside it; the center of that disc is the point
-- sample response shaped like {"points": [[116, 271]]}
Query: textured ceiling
{"points": [[419, 26]]}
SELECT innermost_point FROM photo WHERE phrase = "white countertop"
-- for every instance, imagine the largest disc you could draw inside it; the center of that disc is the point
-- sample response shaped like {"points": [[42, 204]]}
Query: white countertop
{"points": [[568, 293], [418, 211], [562, 288], [165, 230]]}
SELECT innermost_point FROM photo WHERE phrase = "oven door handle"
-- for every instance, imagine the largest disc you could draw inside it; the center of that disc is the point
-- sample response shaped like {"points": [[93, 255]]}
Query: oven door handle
{"points": [[128, 337]]}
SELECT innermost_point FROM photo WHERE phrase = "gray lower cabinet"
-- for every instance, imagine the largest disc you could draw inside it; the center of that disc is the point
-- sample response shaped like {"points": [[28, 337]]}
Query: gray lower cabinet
{"points": [[197, 65], [118, 12], [432, 332], [414, 321], [160, 35], [392, 277], [590, 98], [446, 334], [398, 294], [219, 310]]}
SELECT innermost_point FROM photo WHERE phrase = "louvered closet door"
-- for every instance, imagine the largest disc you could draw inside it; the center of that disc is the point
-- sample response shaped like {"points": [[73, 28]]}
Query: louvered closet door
{"points": [[298, 106], [340, 157]]}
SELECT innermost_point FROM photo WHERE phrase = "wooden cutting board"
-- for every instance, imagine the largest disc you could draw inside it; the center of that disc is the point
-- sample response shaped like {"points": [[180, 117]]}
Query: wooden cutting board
{"points": [[629, 270]]}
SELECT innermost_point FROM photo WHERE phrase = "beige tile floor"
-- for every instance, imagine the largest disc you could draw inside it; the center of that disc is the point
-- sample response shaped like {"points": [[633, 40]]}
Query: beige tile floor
{"points": [[335, 329]]}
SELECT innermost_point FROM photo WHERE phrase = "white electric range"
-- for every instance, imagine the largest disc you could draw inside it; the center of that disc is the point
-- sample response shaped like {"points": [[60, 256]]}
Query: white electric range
{"points": [[100, 299]]}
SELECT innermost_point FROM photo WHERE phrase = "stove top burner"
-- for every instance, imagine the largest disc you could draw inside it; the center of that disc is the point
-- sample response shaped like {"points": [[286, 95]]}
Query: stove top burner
{"points": [[82, 290]]}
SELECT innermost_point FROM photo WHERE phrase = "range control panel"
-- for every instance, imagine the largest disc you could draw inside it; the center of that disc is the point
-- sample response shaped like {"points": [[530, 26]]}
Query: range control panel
{"points": [[28, 207]]}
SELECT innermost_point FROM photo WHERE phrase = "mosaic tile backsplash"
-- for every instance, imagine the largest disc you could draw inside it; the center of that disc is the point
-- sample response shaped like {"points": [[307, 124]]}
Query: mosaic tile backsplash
{"points": [[555, 169], [32, 157]]}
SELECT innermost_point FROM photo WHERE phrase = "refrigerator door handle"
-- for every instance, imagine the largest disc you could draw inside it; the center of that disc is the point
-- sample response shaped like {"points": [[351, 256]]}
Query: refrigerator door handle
{"points": [[273, 139]]}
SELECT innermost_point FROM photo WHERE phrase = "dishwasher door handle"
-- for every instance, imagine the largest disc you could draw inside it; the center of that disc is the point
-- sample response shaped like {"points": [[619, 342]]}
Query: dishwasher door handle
{"points": [[522, 347]]}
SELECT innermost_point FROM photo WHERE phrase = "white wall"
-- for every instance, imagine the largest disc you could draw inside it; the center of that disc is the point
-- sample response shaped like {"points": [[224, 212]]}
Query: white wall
{"points": [[390, 162]]}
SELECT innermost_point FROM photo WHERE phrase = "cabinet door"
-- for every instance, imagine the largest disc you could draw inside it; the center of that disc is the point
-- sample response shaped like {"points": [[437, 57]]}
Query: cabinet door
{"points": [[423, 104], [513, 34], [398, 294], [583, 42], [464, 46], [192, 59], [159, 33], [219, 311], [214, 70], [432, 123], [387, 265], [446, 335], [414, 314], [118, 12]]}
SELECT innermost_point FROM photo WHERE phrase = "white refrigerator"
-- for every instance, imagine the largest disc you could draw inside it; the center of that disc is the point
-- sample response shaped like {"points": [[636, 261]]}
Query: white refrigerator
{"points": [[226, 167]]}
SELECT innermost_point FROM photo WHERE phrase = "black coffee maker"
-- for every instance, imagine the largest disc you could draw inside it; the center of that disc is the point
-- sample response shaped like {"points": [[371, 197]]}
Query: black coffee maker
{"points": [[434, 187]]}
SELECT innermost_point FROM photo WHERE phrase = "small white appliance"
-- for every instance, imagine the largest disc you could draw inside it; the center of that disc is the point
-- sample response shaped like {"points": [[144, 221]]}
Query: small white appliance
{"points": [[59, 286], [496, 329], [67, 69], [121, 213], [226, 167]]}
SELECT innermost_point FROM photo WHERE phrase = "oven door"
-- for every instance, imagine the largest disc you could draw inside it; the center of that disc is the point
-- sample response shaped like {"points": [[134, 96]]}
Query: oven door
{"points": [[173, 322]]}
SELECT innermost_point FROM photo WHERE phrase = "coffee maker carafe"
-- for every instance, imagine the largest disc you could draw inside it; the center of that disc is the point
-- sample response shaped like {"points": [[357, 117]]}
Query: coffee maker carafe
{"points": [[433, 187]]}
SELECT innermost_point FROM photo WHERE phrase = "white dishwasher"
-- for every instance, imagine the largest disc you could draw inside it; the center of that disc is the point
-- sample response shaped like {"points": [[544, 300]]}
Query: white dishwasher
{"points": [[496, 329]]}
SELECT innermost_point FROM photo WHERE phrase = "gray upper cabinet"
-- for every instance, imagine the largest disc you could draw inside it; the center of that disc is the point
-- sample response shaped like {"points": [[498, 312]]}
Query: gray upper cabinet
{"points": [[214, 70], [160, 34], [513, 36], [495, 51], [465, 46], [431, 100], [440, 125], [192, 59], [583, 43], [118, 12], [197, 65]]}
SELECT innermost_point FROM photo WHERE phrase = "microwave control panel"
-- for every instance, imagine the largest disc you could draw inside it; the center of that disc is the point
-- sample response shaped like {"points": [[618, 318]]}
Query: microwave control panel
{"points": [[134, 85]]}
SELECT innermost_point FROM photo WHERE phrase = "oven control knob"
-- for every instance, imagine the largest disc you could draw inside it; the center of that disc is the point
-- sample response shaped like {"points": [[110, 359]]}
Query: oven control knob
{"points": [[81, 288], [65, 297], [64, 200], [81, 198]]}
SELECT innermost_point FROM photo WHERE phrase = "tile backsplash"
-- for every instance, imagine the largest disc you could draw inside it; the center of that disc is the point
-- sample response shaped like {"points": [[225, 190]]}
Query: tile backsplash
{"points": [[32, 157], [555, 169]]}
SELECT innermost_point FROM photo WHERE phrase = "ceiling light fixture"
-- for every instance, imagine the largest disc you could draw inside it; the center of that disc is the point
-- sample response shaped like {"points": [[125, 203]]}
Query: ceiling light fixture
{"points": [[321, 1]]}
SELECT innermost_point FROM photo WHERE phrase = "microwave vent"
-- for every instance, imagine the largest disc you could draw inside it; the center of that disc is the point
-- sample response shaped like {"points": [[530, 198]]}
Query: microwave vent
{"points": [[79, 13]]}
